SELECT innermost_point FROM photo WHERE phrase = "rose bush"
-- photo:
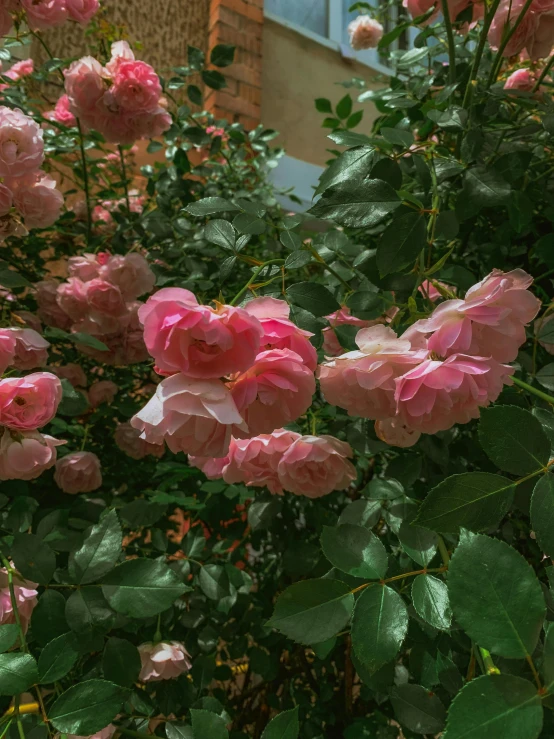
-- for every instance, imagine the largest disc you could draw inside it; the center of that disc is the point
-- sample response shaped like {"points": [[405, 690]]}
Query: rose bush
{"points": [[259, 480]]}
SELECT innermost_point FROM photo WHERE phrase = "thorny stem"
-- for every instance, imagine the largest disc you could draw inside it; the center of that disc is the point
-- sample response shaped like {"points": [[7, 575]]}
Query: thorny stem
{"points": [[451, 44], [531, 389], [85, 179], [400, 577], [534, 671], [124, 176], [241, 292]]}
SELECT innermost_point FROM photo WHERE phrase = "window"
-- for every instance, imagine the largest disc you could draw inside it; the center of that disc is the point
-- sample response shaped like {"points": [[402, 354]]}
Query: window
{"points": [[394, 13], [310, 14]]}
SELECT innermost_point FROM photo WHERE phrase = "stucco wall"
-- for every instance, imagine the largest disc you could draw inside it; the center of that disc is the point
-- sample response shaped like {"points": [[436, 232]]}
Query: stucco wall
{"points": [[295, 71]]}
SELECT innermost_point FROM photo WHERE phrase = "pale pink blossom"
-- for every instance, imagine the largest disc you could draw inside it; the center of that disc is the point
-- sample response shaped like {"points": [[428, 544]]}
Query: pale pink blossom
{"points": [[78, 472], [85, 88], [49, 310], [84, 267], [121, 52], [314, 466], [136, 89], [21, 146], [392, 431], [30, 402], [128, 440], [103, 391], [428, 290], [71, 372], [438, 394], [212, 467], [43, 14], [37, 199], [20, 69], [364, 32], [26, 455], [7, 349], [192, 416], [420, 7], [522, 80], [275, 391], [255, 461], [31, 349], [105, 297], [363, 381], [6, 199], [72, 298], [62, 112], [25, 598], [106, 733], [535, 32], [163, 661], [341, 317], [130, 273], [81, 10], [200, 341], [101, 215], [279, 331]]}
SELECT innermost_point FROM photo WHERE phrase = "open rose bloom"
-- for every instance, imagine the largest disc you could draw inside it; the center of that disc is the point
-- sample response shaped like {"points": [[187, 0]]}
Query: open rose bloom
{"points": [[163, 661]]}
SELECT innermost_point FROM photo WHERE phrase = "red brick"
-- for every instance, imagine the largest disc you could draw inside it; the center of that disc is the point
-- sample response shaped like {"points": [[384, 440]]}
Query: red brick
{"points": [[250, 94], [247, 122], [242, 7], [237, 105], [224, 15], [248, 41], [244, 73]]}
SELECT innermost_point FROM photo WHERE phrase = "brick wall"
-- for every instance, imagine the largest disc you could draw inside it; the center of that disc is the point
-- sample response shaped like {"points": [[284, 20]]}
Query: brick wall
{"points": [[238, 22]]}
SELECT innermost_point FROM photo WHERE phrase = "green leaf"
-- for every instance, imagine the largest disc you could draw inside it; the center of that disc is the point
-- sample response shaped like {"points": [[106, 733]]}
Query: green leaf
{"points": [[323, 105], [472, 500], [495, 596], [121, 662], [379, 625], [542, 513], [87, 610], [381, 489], [430, 599], [88, 340], [351, 166], [418, 543], [355, 550], [364, 204], [74, 402], [290, 240], [9, 634], [213, 79], [349, 138], [298, 259], [546, 376], [196, 57], [10, 278], [178, 731], [453, 120], [18, 672], [208, 206], [33, 558], [513, 439], [284, 726], [546, 331], [48, 619], [417, 709], [221, 232], [222, 55], [312, 611], [195, 96], [215, 582], [401, 243], [344, 107], [313, 297], [87, 707], [57, 658], [248, 223], [495, 706], [397, 136], [142, 587], [361, 513], [207, 724], [548, 656], [99, 553]]}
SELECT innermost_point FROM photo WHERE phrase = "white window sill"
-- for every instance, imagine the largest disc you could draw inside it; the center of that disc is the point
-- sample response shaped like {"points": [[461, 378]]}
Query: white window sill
{"points": [[330, 44]]}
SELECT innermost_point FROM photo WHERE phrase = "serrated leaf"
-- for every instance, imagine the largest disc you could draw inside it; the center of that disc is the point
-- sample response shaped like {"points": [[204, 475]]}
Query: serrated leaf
{"points": [[207, 724], [313, 297], [495, 596], [313, 611], [222, 55], [209, 206], [351, 166], [248, 223], [18, 672], [34, 559], [513, 439], [99, 552], [9, 634], [430, 599], [419, 544], [417, 709], [401, 243], [87, 707], [366, 204], [397, 136], [355, 550], [220, 232], [379, 626], [542, 513], [57, 658], [546, 376], [284, 726], [121, 662]]}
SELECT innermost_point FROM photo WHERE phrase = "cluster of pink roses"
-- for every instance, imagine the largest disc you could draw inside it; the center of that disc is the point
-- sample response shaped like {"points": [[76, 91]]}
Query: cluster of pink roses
{"points": [[123, 100], [442, 369], [235, 374], [535, 32], [43, 14], [17, 71], [23, 184], [455, 7], [100, 299]]}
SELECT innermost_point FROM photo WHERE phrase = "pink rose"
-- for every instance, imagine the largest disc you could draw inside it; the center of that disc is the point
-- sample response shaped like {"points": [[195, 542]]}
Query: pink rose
{"points": [[535, 33], [25, 598], [121, 52], [362, 382], [25, 456], [212, 467], [85, 88], [49, 310], [130, 273], [191, 416], [255, 461], [84, 267], [420, 7], [81, 10], [521, 79], [20, 69], [364, 32], [43, 14], [27, 403], [136, 88], [7, 349], [490, 322], [71, 372], [6, 22], [21, 146], [103, 391], [315, 466], [200, 341], [428, 290], [341, 317], [78, 472], [106, 733], [163, 661], [275, 391], [29, 319], [62, 113], [279, 331], [436, 395], [105, 298], [38, 200], [392, 431], [72, 298], [6, 199], [128, 440], [31, 349]]}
